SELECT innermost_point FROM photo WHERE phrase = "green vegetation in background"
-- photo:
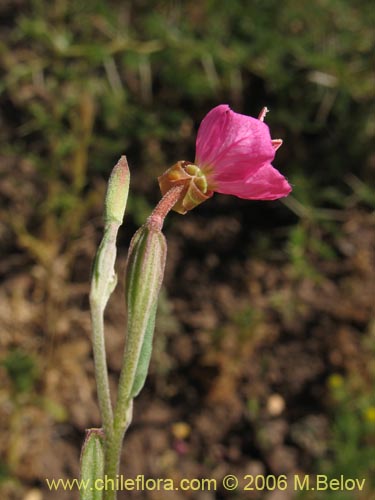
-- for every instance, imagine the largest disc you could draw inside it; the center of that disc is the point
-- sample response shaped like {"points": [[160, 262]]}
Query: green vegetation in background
{"points": [[352, 437], [94, 79], [22, 370]]}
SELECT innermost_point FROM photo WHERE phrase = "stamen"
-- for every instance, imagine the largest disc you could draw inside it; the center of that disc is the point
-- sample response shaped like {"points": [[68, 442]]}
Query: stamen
{"points": [[262, 114]]}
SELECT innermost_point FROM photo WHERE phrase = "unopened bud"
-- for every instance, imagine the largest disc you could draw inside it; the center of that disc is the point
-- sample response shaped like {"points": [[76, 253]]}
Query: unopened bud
{"points": [[195, 192], [104, 278], [92, 465], [117, 192], [144, 276]]}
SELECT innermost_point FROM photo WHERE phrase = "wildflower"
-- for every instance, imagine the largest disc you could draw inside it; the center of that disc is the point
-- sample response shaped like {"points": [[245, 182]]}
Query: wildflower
{"points": [[233, 156], [370, 414]]}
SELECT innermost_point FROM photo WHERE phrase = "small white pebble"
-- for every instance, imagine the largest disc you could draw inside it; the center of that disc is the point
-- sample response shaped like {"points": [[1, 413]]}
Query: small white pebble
{"points": [[275, 405], [33, 494]]}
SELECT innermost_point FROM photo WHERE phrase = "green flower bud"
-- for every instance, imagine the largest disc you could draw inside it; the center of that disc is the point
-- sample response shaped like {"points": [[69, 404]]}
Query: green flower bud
{"points": [[92, 465], [104, 278], [145, 271], [117, 192]]}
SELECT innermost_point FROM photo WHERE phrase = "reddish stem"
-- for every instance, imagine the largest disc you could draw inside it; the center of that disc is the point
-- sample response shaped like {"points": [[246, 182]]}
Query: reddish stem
{"points": [[164, 206]]}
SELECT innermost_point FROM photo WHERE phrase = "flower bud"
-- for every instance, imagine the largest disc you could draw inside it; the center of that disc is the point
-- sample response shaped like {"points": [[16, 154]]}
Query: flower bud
{"points": [[184, 173], [117, 192], [145, 271], [104, 278], [92, 465]]}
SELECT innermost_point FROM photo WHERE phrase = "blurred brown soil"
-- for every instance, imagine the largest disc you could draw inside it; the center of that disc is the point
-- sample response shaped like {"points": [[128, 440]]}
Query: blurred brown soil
{"points": [[243, 349]]}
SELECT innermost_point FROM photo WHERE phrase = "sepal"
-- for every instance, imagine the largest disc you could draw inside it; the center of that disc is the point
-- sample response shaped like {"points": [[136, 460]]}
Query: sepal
{"points": [[194, 182]]}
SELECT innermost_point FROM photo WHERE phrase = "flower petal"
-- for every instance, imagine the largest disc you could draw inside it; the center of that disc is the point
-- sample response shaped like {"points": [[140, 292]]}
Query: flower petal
{"points": [[265, 184], [232, 146]]}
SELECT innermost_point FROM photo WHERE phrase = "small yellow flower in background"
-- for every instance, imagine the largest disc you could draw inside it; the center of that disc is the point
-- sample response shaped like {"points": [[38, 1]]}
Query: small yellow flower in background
{"points": [[335, 381], [370, 414], [181, 430]]}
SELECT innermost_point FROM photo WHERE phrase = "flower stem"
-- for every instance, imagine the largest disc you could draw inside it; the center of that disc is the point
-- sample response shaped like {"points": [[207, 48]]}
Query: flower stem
{"points": [[101, 371], [164, 206], [113, 450], [103, 282], [124, 406]]}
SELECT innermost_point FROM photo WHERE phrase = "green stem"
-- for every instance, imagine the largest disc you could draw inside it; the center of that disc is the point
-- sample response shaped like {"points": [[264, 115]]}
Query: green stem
{"points": [[124, 405], [101, 371], [102, 285], [122, 419], [113, 449]]}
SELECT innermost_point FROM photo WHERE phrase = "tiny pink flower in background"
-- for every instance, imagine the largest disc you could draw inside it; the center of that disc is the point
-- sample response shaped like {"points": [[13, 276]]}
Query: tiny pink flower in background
{"points": [[233, 156]]}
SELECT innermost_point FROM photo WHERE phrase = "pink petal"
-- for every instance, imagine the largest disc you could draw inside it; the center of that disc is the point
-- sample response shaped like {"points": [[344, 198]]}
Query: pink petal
{"points": [[265, 184], [232, 146]]}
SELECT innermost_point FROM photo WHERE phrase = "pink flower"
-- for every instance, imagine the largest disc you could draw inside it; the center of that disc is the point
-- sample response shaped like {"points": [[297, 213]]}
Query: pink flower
{"points": [[235, 152], [233, 156]]}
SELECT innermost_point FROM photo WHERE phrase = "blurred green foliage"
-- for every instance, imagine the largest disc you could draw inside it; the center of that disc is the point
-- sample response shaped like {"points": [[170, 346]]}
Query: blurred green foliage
{"points": [[83, 82], [351, 444], [21, 369]]}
